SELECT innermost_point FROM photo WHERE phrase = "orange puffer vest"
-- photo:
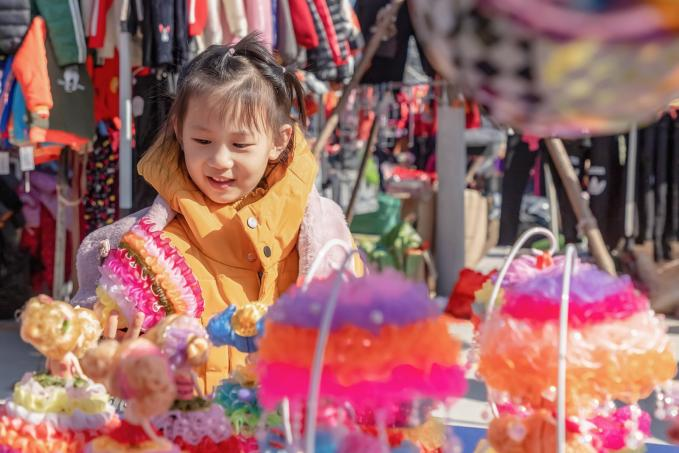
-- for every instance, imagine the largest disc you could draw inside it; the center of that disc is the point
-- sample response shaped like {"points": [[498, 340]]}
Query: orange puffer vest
{"points": [[237, 255]]}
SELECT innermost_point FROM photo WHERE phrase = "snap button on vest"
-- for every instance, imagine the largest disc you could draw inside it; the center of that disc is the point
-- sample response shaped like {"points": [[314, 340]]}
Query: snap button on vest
{"points": [[252, 223], [267, 251]]}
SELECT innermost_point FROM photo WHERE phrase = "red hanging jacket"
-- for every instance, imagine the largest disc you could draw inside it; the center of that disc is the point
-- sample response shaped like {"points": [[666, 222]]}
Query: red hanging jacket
{"points": [[329, 26], [197, 14], [303, 23], [30, 69], [97, 31]]}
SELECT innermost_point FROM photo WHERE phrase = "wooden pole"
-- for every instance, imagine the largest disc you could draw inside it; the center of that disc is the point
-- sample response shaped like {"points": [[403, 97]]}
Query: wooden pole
{"points": [[374, 132], [361, 69], [580, 205]]}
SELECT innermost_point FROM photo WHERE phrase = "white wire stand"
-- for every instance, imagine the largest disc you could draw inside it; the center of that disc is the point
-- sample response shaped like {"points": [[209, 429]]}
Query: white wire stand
{"points": [[319, 352], [571, 255], [554, 247], [321, 343]]}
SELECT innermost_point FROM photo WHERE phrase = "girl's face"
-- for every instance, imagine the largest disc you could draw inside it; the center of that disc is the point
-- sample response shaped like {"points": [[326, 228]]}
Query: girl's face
{"points": [[226, 160]]}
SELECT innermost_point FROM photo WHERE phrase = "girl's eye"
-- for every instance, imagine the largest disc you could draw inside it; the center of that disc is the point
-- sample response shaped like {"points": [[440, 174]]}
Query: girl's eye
{"points": [[241, 145], [201, 141]]}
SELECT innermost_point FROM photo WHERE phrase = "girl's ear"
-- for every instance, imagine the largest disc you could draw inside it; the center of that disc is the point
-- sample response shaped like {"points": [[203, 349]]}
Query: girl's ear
{"points": [[281, 141], [177, 132]]}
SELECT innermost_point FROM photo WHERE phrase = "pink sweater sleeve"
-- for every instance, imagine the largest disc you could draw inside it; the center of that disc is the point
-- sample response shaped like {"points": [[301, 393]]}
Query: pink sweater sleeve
{"points": [[260, 18], [237, 21]]}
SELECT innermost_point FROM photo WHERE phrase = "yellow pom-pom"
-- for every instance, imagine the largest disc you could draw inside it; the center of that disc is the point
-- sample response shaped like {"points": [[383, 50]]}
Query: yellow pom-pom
{"points": [[245, 319]]}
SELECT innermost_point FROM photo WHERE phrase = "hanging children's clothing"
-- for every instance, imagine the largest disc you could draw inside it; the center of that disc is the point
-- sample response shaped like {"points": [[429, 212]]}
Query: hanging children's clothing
{"points": [[519, 161], [65, 29], [289, 49], [599, 169], [106, 88], [304, 24], [672, 225], [337, 35], [14, 22], [197, 16], [601, 172], [260, 17], [39, 236], [15, 282], [100, 203], [29, 66], [165, 32], [657, 185], [390, 61], [72, 116], [103, 28], [151, 102]]}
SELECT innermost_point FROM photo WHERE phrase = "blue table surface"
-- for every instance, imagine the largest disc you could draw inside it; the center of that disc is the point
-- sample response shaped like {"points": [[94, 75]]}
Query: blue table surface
{"points": [[470, 437]]}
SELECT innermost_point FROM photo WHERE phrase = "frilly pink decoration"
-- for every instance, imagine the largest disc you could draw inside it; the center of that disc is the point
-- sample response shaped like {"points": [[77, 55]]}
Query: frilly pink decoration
{"points": [[358, 441], [525, 267], [131, 284], [595, 296]]}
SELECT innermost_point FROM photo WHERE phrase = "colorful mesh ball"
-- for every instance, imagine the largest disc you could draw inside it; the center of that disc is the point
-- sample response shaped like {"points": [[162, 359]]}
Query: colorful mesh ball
{"points": [[388, 343]]}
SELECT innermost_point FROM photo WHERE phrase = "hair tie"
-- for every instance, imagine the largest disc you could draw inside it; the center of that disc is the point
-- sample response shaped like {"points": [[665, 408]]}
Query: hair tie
{"points": [[231, 52]]}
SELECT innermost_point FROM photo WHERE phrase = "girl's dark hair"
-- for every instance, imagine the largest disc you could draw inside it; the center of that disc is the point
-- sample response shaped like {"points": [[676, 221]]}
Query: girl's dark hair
{"points": [[249, 86]]}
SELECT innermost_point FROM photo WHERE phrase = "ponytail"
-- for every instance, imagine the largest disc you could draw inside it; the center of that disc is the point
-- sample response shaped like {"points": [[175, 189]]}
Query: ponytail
{"points": [[296, 94]]}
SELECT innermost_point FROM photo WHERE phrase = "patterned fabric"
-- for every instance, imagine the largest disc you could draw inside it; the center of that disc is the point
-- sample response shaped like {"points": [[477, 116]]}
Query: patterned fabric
{"points": [[496, 63], [545, 86], [99, 204]]}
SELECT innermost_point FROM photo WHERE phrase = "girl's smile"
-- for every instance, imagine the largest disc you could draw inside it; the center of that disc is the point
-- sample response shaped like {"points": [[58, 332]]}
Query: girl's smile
{"points": [[226, 156], [221, 183]]}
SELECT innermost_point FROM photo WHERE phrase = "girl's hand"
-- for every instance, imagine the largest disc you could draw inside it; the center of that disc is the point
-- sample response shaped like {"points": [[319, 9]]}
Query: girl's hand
{"points": [[111, 331]]}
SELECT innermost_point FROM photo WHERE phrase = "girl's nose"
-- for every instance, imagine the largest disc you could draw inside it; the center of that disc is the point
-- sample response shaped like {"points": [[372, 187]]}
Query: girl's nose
{"points": [[222, 159]]}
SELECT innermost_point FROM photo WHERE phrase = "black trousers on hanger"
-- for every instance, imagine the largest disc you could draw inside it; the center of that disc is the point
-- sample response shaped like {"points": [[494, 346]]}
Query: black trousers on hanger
{"points": [[672, 224], [518, 164], [602, 175], [605, 185], [577, 154], [151, 101], [602, 179], [654, 176]]}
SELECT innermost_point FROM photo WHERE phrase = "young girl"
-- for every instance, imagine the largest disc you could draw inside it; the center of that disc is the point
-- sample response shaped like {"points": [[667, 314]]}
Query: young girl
{"points": [[237, 210]]}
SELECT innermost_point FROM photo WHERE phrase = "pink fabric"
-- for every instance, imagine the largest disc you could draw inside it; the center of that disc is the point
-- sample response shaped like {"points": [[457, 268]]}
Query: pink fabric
{"points": [[532, 141], [260, 18], [632, 22], [43, 193], [323, 221]]}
